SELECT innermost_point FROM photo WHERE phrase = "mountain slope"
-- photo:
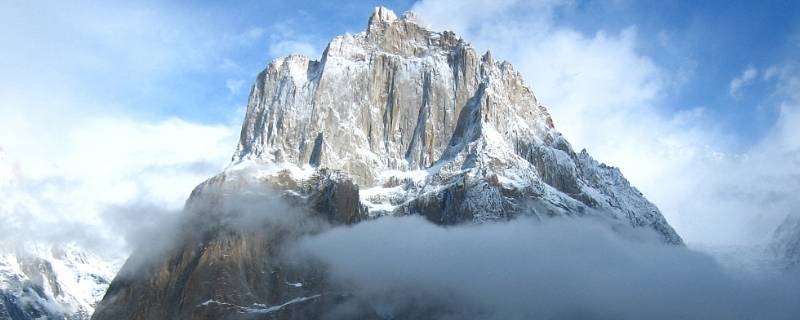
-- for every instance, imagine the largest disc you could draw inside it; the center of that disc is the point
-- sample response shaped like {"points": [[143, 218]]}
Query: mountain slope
{"points": [[51, 282], [395, 120], [786, 242]]}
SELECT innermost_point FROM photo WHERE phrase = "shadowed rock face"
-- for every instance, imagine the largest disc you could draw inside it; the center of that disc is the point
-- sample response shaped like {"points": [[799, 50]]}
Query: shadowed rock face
{"points": [[786, 242], [392, 121], [226, 263]]}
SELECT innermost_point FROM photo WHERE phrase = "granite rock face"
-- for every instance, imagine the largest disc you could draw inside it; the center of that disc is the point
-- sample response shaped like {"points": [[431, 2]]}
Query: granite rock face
{"points": [[226, 263], [424, 124], [396, 120]]}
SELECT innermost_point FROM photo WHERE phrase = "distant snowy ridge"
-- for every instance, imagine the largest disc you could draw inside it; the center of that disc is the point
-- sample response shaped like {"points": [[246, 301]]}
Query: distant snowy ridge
{"points": [[39, 281]]}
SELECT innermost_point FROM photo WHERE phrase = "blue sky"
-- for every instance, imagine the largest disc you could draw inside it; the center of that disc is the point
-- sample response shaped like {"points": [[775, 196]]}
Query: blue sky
{"points": [[712, 41], [697, 102], [717, 39]]}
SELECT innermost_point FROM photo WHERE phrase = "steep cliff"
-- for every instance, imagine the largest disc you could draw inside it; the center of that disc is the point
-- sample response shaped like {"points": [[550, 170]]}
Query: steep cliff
{"points": [[425, 125], [396, 120]]}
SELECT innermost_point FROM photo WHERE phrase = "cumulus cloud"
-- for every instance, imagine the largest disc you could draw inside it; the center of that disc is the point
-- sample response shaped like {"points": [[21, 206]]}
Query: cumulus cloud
{"points": [[102, 168], [93, 158], [284, 41], [607, 96], [528, 269], [744, 79]]}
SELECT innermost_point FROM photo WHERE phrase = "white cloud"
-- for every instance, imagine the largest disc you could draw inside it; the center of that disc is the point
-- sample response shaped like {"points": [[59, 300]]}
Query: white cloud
{"points": [[286, 47], [608, 97], [234, 86], [63, 193], [285, 41], [744, 79], [79, 146]]}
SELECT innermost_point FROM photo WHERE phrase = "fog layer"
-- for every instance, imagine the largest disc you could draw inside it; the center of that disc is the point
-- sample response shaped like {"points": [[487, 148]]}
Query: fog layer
{"points": [[561, 269]]}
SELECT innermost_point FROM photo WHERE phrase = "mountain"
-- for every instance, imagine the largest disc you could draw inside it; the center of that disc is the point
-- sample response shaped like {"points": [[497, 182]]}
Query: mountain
{"points": [[396, 120], [425, 125], [39, 281], [785, 244]]}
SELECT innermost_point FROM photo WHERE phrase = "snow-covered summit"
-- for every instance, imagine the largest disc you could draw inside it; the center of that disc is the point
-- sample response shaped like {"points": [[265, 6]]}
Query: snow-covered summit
{"points": [[399, 98]]}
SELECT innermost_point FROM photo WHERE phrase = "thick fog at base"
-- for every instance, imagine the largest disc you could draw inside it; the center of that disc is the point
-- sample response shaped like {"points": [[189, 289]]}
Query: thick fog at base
{"points": [[555, 269]]}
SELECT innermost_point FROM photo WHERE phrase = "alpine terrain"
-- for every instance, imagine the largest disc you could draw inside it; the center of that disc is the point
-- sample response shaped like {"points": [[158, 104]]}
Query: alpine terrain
{"points": [[396, 120], [40, 280]]}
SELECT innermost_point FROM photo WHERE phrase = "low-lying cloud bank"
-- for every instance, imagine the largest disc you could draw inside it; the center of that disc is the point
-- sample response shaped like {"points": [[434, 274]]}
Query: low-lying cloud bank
{"points": [[561, 269]]}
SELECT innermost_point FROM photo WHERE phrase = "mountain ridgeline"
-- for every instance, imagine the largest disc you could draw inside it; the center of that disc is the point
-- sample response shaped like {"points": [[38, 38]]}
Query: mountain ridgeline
{"points": [[396, 120]]}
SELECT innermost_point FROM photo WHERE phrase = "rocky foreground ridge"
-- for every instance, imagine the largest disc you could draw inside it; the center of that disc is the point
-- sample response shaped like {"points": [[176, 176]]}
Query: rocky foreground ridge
{"points": [[396, 120]]}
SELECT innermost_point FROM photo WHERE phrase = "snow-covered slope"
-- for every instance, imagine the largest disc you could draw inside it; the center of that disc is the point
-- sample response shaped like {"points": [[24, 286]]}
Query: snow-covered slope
{"points": [[426, 126], [40, 281]]}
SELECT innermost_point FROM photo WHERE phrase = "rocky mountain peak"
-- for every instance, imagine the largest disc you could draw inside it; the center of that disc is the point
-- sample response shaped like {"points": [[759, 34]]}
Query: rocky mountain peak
{"points": [[397, 120], [380, 17], [389, 98], [400, 101]]}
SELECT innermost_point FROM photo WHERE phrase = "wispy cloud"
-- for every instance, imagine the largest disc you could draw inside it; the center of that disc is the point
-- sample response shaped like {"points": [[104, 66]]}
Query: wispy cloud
{"points": [[234, 86], [101, 167], [285, 41], [744, 79]]}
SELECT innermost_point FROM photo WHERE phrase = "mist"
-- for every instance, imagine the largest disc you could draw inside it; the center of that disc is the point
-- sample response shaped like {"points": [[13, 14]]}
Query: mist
{"points": [[557, 269]]}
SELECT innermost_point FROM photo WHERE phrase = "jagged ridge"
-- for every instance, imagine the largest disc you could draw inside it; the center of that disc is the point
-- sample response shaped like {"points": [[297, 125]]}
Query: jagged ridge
{"points": [[399, 100]]}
